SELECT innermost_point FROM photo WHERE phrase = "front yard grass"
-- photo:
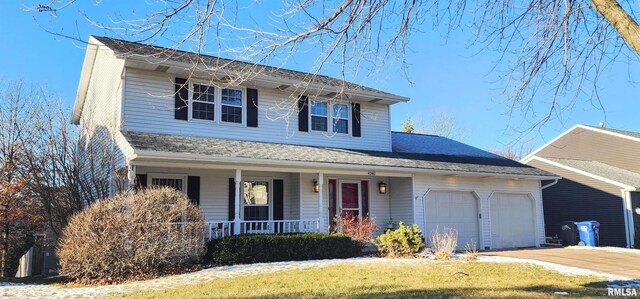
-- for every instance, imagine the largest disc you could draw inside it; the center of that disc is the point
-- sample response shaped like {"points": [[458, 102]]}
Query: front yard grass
{"points": [[444, 279]]}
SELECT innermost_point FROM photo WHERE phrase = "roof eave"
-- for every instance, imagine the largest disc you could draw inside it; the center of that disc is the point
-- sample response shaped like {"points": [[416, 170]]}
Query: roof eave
{"points": [[252, 161], [85, 77], [145, 59], [622, 185]]}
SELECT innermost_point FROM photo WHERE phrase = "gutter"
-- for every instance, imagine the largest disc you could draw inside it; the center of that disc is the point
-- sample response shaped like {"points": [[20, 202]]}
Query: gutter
{"points": [[146, 154], [550, 184]]}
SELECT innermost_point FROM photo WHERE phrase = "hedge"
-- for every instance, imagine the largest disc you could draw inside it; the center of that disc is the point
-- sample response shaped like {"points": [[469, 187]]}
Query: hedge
{"points": [[247, 249]]}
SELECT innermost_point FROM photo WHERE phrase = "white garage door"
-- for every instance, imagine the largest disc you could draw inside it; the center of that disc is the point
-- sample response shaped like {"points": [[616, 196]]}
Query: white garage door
{"points": [[453, 209], [512, 221]]}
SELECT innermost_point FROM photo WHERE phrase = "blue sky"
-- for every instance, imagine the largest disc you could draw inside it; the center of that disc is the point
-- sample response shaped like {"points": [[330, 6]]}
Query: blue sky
{"points": [[448, 75]]}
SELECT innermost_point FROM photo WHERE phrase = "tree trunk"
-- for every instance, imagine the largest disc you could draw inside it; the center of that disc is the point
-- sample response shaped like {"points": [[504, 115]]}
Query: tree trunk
{"points": [[5, 249], [624, 24]]}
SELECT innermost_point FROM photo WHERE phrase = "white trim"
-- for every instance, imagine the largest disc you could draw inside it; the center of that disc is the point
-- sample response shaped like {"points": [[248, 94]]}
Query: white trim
{"points": [[585, 173], [529, 157], [85, 77], [310, 166], [628, 225], [321, 202], [413, 196]]}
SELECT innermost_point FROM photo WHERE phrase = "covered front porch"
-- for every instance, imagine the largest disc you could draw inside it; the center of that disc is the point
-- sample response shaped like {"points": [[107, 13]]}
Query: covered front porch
{"points": [[241, 199]]}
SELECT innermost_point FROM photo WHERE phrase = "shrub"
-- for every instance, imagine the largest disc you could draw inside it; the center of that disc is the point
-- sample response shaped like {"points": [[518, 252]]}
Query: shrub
{"points": [[471, 251], [246, 249], [404, 241], [359, 229], [133, 235], [443, 242]]}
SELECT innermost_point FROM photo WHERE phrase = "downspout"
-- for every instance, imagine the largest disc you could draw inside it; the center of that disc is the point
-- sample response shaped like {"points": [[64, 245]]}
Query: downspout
{"points": [[550, 184]]}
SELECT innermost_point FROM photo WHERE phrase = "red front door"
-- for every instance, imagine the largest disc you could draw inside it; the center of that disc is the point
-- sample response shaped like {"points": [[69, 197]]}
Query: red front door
{"points": [[350, 199]]}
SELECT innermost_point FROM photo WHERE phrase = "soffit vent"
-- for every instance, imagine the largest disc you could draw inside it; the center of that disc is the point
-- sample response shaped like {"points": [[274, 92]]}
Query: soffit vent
{"points": [[162, 68]]}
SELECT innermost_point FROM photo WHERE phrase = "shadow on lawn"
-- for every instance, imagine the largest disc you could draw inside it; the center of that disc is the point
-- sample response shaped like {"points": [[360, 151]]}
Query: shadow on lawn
{"points": [[37, 279], [597, 289]]}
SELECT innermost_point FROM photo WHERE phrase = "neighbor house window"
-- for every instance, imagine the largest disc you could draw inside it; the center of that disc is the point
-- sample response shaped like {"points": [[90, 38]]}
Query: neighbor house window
{"points": [[319, 115], [232, 105], [175, 183], [203, 102], [256, 200], [340, 117]]}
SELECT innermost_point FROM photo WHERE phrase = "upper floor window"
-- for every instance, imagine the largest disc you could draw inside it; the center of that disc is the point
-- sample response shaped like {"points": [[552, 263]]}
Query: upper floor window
{"points": [[225, 105], [232, 105], [203, 102], [340, 115], [319, 116]]}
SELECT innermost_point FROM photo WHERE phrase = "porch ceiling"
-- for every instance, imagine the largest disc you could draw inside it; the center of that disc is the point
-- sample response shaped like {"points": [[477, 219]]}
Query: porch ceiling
{"points": [[152, 145]]}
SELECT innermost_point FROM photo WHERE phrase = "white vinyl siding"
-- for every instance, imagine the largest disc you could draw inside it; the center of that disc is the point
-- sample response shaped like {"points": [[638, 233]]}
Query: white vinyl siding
{"points": [[149, 107], [400, 191], [214, 187], [484, 189], [378, 203], [99, 125]]}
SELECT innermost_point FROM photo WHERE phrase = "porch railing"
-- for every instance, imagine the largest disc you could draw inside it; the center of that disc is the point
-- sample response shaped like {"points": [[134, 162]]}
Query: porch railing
{"points": [[221, 229]]}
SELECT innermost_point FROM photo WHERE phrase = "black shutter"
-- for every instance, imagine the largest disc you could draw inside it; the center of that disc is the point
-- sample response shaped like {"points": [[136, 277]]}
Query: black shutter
{"points": [[232, 199], [303, 114], [193, 189], [278, 200], [182, 99], [355, 124], [252, 108], [141, 181], [365, 198]]}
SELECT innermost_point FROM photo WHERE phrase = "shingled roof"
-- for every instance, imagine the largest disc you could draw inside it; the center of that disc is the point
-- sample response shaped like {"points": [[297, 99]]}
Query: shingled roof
{"points": [[127, 48], [225, 148]]}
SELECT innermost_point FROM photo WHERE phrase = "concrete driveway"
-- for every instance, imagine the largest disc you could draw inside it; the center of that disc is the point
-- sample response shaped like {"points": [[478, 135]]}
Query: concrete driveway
{"points": [[625, 264]]}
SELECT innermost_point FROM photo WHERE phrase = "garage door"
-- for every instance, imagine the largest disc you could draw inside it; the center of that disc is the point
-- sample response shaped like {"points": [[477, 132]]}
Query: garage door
{"points": [[453, 209], [512, 221]]}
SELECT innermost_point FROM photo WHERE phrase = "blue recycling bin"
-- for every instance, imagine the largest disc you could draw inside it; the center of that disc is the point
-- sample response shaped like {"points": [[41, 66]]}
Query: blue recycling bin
{"points": [[589, 232]]}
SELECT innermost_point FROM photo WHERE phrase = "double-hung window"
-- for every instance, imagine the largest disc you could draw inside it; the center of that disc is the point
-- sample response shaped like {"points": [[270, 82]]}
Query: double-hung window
{"points": [[232, 105], [204, 98], [319, 116], [340, 117], [256, 201]]}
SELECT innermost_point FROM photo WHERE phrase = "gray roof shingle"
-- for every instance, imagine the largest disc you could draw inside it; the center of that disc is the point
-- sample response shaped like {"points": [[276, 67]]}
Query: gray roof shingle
{"points": [[122, 47], [623, 132], [225, 148], [613, 173]]}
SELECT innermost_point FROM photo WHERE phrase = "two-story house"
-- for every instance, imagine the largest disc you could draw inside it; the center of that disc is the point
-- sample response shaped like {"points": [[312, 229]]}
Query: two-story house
{"points": [[600, 168], [203, 126]]}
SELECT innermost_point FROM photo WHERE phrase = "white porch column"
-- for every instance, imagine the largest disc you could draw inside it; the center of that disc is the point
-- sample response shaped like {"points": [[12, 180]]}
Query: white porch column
{"points": [[236, 219], [131, 177], [320, 203]]}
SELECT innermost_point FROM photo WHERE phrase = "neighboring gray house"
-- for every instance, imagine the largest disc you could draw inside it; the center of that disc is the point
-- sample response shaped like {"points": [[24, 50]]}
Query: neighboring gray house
{"points": [[600, 168], [215, 136]]}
